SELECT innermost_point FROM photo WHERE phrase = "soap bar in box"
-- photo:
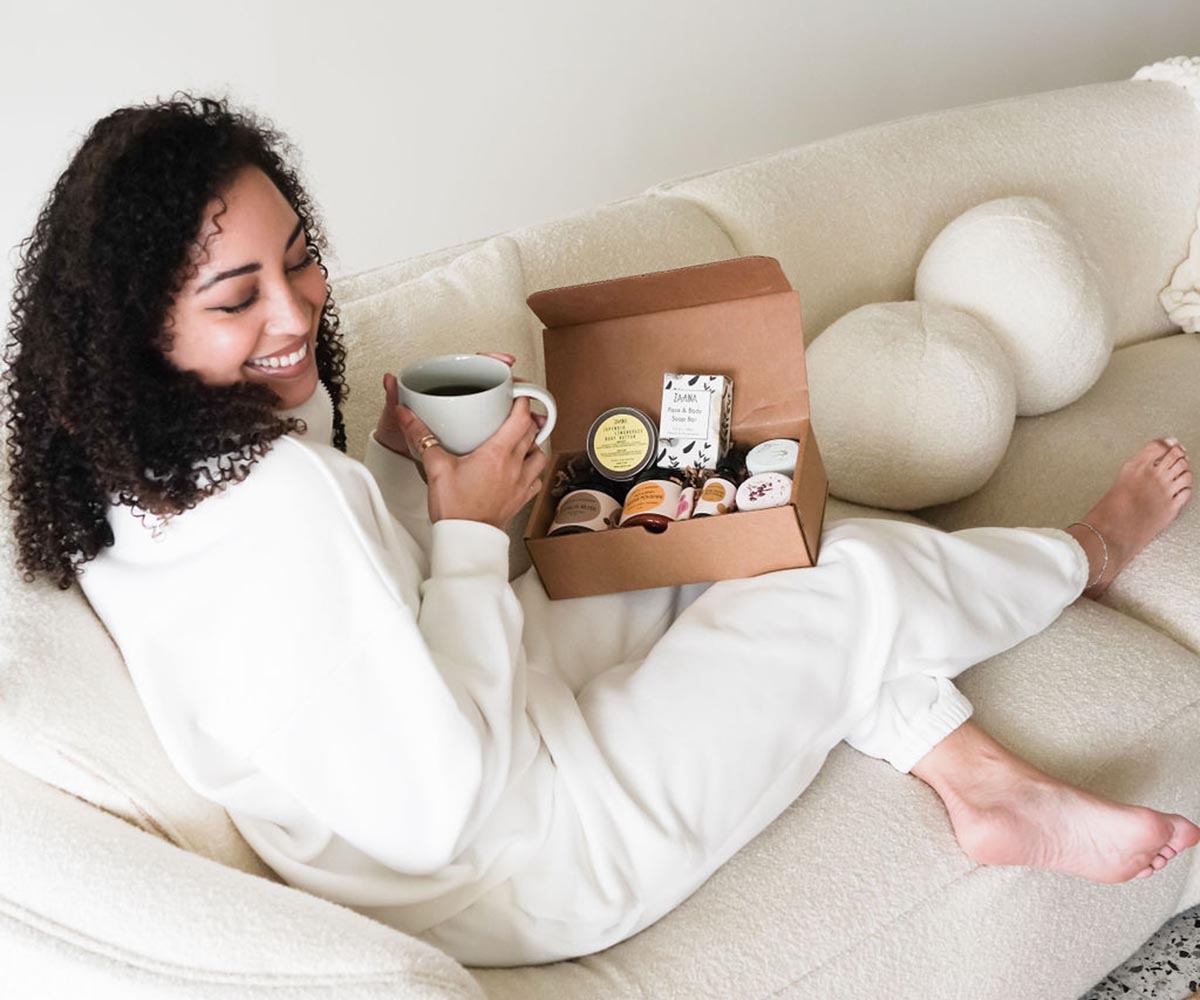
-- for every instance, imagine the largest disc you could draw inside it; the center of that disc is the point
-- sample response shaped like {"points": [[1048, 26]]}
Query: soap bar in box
{"points": [[694, 422]]}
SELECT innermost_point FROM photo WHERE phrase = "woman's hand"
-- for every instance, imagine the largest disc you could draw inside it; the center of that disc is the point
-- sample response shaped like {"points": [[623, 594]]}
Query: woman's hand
{"points": [[388, 431], [492, 483]]}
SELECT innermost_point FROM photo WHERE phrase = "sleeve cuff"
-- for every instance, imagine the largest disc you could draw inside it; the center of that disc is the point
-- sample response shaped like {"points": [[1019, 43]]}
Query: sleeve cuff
{"points": [[468, 548]]}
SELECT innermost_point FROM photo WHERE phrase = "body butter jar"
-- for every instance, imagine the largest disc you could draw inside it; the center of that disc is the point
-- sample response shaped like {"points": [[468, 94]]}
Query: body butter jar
{"points": [[588, 508], [716, 496], [654, 501], [771, 489], [621, 443]]}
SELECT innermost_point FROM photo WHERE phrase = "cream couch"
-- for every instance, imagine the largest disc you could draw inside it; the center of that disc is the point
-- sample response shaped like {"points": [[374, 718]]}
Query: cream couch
{"points": [[117, 881]]}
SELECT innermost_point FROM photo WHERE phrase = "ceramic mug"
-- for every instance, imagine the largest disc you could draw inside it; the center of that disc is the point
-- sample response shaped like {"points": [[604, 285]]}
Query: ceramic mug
{"points": [[464, 398]]}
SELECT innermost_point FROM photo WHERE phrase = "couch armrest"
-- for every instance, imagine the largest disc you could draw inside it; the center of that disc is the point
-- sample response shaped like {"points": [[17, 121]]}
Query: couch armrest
{"points": [[91, 906]]}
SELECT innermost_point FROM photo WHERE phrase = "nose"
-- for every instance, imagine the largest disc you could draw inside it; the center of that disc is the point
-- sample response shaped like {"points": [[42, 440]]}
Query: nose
{"points": [[290, 312]]}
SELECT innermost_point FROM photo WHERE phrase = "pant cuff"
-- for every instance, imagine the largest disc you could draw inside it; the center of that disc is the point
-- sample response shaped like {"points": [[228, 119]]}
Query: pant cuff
{"points": [[1083, 569], [944, 716]]}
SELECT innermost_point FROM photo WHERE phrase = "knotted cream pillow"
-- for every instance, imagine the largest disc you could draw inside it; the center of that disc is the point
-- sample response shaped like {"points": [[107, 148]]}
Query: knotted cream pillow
{"points": [[913, 404], [1021, 268]]}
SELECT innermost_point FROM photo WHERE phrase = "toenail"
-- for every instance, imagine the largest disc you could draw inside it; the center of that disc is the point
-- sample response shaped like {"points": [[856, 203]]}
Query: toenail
{"points": [[1171, 441]]}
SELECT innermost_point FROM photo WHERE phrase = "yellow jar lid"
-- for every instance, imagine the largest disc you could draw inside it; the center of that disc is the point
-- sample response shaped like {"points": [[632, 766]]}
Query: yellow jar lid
{"points": [[621, 443]]}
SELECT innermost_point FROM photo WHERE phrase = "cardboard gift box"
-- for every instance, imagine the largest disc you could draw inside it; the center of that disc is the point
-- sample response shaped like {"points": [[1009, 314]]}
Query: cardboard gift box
{"points": [[608, 344]]}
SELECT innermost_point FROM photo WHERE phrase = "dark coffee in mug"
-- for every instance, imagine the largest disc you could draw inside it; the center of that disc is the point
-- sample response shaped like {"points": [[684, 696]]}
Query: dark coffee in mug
{"points": [[454, 390]]}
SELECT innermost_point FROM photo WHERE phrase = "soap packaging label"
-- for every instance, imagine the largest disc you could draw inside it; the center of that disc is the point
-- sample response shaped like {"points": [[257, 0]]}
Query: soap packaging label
{"points": [[695, 421]]}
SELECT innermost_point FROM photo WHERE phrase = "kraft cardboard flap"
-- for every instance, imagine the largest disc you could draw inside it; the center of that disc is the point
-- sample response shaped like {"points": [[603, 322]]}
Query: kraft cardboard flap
{"points": [[659, 291], [754, 336]]}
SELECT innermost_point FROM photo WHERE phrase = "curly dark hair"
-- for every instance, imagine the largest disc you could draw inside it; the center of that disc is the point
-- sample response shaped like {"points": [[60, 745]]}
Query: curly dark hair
{"points": [[95, 412]]}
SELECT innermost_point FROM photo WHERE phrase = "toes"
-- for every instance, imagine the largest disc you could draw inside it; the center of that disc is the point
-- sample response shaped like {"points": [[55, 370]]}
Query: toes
{"points": [[1170, 458], [1183, 481], [1145, 872], [1152, 451], [1158, 862], [1184, 834]]}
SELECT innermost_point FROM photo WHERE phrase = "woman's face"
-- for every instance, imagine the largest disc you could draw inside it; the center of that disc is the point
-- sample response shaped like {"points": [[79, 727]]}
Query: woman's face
{"points": [[251, 311]]}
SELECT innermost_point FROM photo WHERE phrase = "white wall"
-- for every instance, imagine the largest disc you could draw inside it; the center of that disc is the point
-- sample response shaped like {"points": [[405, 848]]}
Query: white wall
{"points": [[427, 124]]}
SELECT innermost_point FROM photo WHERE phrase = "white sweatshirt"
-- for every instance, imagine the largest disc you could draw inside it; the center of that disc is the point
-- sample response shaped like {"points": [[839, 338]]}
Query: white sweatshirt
{"points": [[395, 727], [354, 696]]}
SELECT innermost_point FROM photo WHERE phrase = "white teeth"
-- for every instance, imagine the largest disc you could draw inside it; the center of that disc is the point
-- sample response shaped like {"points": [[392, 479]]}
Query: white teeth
{"points": [[285, 362]]}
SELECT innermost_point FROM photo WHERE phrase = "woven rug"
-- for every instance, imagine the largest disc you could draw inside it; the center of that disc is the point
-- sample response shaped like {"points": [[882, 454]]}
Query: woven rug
{"points": [[1166, 967]]}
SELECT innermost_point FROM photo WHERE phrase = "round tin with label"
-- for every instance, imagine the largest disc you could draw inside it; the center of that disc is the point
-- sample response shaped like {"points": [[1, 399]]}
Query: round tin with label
{"points": [[621, 443], [771, 489], [654, 501], [716, 496], [776, 455], [584, 510]]}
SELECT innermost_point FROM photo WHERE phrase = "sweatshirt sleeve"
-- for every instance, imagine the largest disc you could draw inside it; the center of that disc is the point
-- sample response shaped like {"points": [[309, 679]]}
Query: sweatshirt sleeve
{"points": [[410, 732], [403, 490]]}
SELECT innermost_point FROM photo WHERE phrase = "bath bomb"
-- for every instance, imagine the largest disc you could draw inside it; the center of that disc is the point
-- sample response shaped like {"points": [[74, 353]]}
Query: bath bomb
{"points": [[912, 404], [1020, 267]]}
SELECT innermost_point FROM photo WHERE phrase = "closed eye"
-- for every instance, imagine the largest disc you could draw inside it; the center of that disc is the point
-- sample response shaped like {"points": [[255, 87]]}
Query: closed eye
{"points": [[240, 307], [302, 265]]}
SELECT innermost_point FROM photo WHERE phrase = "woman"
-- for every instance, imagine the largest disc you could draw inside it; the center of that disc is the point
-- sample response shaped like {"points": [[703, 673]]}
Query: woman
{"points": [[334, 653]]}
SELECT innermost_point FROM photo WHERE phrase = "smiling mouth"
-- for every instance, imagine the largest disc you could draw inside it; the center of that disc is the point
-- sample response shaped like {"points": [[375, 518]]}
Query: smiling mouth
{"points": [[282, 364]]}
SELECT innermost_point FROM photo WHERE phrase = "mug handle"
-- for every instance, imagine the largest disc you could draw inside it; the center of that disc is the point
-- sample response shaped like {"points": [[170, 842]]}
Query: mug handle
{"points": [[542, 396]]}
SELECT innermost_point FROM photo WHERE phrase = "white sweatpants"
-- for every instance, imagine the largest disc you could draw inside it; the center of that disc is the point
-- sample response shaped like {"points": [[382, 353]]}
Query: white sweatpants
{"points": [[683, 721]]}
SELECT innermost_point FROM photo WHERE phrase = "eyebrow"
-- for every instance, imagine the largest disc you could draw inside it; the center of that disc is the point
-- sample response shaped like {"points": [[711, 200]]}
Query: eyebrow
{"points": [[248, 268]]}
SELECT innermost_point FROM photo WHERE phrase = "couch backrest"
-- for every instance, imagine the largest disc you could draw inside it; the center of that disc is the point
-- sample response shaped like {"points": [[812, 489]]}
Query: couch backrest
{"points": [[851, 216]]}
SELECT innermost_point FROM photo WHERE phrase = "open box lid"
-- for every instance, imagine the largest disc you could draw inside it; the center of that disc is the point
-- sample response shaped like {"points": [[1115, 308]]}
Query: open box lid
{"points": [[609, 343]]}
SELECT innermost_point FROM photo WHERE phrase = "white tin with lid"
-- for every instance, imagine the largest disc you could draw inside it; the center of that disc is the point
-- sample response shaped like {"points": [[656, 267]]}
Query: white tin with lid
{"points": [[776, 455]]}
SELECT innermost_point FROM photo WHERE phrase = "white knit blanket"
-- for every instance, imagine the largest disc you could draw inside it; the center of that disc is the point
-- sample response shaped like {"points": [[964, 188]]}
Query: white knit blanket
{"points": [[1181, 298]]}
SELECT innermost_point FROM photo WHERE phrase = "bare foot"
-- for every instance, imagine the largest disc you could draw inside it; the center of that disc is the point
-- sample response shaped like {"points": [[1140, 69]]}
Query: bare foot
{"points": [[1150, 490], [1004, 811]]}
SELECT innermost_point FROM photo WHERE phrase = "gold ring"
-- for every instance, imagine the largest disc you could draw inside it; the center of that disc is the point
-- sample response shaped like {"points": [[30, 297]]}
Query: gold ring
{"points": [[427, 442]]}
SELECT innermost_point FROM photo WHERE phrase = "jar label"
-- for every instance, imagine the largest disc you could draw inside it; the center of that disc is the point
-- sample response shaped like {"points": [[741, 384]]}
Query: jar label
{"points": [[621, 442], [653, 496], [576, 508], [585, 510], [714, 491]]}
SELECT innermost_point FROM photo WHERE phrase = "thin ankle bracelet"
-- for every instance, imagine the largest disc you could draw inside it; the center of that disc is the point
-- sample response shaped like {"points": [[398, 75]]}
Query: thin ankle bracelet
{"points": [[1092, 529]]}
